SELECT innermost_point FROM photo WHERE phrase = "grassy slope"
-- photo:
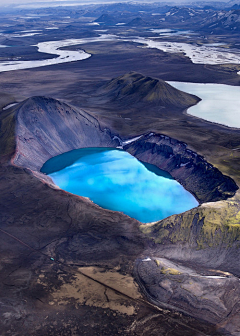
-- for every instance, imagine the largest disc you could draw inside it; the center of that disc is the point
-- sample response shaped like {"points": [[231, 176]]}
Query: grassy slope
{"points": [[208, 225]]}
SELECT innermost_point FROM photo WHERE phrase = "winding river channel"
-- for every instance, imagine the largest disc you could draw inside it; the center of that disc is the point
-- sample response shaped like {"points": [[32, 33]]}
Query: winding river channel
{"points": [[220, 103], [203, 54], [53, 48]]}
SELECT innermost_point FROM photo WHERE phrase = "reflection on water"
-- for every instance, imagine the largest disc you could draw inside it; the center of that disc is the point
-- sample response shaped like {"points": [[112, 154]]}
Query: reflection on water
{"points": [[116, 180], [220, 103]]}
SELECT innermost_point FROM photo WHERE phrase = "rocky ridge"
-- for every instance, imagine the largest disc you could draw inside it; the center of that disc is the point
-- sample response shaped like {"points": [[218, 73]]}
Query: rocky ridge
{"points": [[222, 22], [174, 286], [199, 177]]}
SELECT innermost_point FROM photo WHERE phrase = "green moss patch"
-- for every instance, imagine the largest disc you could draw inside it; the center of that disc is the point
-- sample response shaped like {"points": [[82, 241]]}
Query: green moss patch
{"points": [[210, 225]]}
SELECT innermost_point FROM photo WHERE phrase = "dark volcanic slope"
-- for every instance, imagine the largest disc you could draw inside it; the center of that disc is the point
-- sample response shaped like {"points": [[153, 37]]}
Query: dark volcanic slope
{"points": [[45, 127], [203, 180], [133, 88]]}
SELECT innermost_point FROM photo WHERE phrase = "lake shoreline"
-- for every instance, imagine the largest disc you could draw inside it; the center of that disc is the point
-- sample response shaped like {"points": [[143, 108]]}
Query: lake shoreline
{"points": [[117, 181], [204, 107]]}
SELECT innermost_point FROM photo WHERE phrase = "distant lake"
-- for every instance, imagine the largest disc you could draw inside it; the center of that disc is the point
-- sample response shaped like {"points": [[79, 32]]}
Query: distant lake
{"points": [[220, 103], [116, 180]]}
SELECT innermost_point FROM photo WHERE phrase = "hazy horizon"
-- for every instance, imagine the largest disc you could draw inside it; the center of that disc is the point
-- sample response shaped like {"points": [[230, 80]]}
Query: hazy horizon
{"points": [[85, 2]]}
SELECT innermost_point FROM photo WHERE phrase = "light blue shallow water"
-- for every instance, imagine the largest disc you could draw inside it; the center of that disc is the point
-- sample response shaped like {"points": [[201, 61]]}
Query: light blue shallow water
{"points": [[220, 103], [115, 180]]}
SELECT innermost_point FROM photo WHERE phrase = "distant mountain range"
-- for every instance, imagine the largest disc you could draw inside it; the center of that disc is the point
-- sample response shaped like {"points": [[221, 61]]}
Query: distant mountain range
{"points": [[223, 21], [207, 18]]}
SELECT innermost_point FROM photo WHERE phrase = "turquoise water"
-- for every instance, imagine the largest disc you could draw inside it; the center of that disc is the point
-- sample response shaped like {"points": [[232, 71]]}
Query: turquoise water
{"points": [[115, 180]]}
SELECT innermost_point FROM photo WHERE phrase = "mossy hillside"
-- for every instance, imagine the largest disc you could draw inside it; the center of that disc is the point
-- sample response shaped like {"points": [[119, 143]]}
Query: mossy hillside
{"points": [[170, 271], [136, 87], [209, 225], [166, 270]]}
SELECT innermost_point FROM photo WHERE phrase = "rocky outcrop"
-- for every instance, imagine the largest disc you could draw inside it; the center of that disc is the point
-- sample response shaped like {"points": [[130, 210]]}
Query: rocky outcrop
{"points": [[213, 296], [199, 177]]}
